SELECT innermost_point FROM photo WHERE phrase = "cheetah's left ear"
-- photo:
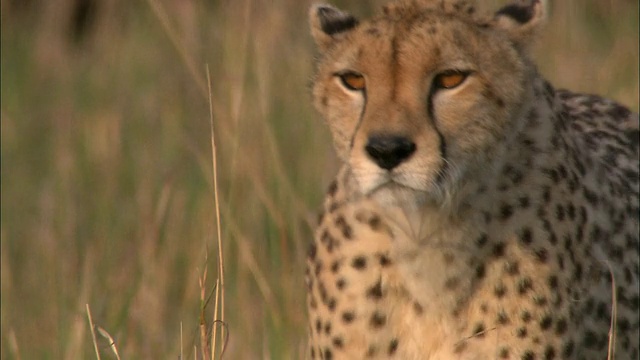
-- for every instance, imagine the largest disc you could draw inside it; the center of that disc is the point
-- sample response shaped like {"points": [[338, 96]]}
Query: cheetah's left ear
{"points": [[521, 21], [329, 24]]}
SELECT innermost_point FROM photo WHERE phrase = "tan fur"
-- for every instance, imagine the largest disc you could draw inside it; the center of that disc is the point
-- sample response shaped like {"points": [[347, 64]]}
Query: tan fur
{"points": [[493, 237]]}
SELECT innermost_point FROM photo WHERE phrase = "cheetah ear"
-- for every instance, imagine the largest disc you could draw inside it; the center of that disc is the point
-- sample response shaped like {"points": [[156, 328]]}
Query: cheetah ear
{"points": [[329, 24], [521, 21]]}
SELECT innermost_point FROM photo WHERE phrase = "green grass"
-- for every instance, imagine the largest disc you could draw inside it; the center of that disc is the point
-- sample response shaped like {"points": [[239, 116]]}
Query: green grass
{"points": [[107, 189]]}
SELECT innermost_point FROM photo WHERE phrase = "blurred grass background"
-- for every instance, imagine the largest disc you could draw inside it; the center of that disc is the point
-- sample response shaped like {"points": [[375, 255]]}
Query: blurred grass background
{"points": [[106, 181]]}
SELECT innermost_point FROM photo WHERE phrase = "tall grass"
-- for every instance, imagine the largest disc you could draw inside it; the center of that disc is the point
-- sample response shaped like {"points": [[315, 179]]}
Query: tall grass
{"points": [[107, 186]]}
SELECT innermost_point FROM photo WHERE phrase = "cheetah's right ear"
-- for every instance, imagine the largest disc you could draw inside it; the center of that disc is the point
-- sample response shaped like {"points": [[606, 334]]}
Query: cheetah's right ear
{"points": [[329, 24]]}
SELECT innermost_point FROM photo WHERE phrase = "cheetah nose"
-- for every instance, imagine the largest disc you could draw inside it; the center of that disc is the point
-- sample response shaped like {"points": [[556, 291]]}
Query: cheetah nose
{"points": [[389, 151]]}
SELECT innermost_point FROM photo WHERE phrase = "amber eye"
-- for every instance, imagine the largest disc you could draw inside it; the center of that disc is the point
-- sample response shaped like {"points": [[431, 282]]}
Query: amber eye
{"points": [[352, 81], [450, 79]]}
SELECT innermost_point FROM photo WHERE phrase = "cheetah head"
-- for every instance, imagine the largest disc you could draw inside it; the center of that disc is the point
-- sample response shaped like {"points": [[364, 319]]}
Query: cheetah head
{"points": [[420, 97]]}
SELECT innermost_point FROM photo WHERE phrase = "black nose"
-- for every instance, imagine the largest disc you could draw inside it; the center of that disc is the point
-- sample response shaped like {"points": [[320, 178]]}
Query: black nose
{"points": [[389, 151]]}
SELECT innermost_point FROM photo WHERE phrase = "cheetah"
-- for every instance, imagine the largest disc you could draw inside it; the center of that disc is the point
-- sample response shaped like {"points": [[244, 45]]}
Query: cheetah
{"points": [[479, 213]]}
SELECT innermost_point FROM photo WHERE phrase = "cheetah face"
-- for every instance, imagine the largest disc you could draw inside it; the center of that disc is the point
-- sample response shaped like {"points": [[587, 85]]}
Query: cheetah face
{"points": [[419, 99]]}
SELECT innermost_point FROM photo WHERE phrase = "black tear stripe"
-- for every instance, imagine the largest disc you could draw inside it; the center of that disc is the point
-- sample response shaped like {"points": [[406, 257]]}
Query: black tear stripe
{"points": [[519, 13], [364, 107], [333, 22], [443, 145]]}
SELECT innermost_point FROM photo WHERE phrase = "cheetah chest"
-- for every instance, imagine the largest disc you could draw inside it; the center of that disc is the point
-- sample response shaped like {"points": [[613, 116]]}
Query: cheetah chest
{"points": [[361, 302]]}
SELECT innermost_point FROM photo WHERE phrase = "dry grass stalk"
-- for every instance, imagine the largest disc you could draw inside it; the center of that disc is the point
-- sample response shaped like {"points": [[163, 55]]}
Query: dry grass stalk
{"points": [[93, 333], [112, 343], [220, 282], [214, 329], [480, 333], [614, 314], [203, 323], [226, 336]]}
